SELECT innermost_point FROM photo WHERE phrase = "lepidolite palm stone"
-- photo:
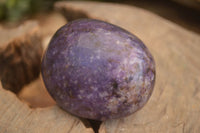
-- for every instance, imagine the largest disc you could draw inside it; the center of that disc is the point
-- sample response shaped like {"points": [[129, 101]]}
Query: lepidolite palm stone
{"points": [[97, 70]]}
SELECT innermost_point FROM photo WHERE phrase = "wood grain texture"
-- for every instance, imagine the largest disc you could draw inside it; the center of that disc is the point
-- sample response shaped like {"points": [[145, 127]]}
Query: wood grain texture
{"points": [[174, 105], [190, 3], [17, 117], [20, 54], [50, 22], [36, 95]]}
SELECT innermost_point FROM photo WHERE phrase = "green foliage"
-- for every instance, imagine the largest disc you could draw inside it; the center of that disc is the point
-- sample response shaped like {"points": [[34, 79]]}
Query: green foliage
{"points": [[2, 10], [17, 8], [13, 10]]}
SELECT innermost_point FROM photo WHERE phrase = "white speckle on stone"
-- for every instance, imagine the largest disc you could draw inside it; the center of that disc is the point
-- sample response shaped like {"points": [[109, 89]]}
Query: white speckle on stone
{"points": [[61, 96], [125, 61], [71, 52], [91, 58], [118, 42], [128, 40], [94, 88], [152, 77], [110, 65], [98, 57], [107, 33], [80, 97], [89, 80], [147, 82], [103, 94], [65, 85], [99, 68], [112, 104], [54, 52], [81, 91], [95, 72], [131, 62], [98, 51], [89, 96], [75, 82], [66, 103]]}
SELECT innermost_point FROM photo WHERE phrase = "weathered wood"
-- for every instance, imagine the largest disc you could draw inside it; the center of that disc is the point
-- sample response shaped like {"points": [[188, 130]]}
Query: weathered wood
{"points": [[190, 3], [17, 117], [20, 54], [36, 95], [174, 105], [49, 23]]}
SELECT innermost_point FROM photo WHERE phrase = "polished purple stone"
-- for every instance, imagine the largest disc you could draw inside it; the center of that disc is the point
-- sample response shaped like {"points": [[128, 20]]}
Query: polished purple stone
{"points": [[97, 70]]}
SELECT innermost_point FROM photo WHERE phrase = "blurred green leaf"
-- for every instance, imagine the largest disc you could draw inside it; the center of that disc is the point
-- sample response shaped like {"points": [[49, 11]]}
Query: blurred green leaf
{"points": [[2, 11], [16, 9]]}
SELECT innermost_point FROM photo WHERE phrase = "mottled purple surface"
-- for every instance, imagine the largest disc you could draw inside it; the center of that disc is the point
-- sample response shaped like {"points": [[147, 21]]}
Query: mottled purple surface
{"points": [[97, 70]]}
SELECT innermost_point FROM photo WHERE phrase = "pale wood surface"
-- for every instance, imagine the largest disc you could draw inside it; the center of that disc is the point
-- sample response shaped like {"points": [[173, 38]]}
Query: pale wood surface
{"points": [[50, 22], [17, 117], [175, 104], [36, 95]]}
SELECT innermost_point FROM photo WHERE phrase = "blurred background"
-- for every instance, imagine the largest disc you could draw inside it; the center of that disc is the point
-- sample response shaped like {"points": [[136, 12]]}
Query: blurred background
{"points": [[185, 13]]}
